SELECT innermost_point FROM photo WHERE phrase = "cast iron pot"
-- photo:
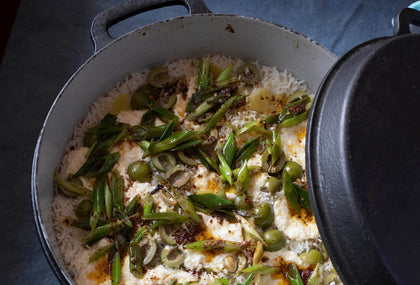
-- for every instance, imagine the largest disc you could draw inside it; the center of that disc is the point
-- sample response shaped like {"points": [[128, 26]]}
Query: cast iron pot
{"points": [[194, 35]]}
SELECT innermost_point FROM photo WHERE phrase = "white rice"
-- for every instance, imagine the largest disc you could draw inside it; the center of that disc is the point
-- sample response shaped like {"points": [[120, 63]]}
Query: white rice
{"points": [[70, 239]]}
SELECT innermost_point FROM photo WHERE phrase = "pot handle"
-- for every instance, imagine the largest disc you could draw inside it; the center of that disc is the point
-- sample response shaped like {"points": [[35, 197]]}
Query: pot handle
{"points": [[101, 23], [403, 20]]}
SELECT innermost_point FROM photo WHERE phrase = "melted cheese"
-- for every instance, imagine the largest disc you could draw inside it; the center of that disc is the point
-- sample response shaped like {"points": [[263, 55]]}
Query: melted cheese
{"points": [[203, 180], [158, 275], [131, 117], [293, 143], [130, 152], [300, 229], [222, 229], [293, 226], [94, 273]]}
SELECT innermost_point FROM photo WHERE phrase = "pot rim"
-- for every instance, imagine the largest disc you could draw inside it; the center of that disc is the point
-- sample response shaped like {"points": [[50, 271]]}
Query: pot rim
{"points": [[59, 270]]}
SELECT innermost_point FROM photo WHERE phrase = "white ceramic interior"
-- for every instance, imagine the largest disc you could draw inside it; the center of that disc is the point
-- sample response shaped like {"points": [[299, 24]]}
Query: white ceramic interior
{"points": [[190, 36]]}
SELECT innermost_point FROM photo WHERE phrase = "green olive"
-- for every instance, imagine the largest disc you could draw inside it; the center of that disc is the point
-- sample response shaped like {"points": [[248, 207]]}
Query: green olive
{"points": [[294, 170], [158, 77], [274, 239], [249, 73], [84, 209], [266, 162], [69, 194], [140, 171], [163, 161], [172, 263], [90, 139], [313, 256], [242, 202], [185, 157], [273, 184], [264, 215], [177, 175], [141, 97]]}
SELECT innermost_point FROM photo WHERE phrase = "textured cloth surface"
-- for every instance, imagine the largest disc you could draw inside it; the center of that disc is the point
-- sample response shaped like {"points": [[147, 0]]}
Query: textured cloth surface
{"points": [[50, 40]]}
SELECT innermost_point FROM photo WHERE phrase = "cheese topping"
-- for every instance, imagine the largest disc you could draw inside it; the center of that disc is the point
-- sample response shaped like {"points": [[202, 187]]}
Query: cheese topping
{"points": [[265, 98]]}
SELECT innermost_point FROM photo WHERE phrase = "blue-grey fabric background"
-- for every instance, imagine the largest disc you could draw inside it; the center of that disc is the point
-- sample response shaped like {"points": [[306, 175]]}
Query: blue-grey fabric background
{"points": [[50, 40]]}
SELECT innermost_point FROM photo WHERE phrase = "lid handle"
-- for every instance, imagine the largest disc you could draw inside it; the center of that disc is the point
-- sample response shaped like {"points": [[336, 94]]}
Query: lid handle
{"points": [[101, 23], [403, 20]]}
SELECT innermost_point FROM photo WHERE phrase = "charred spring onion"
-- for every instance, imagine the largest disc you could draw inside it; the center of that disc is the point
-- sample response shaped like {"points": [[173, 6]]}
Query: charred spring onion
{"points": [[199, 159]]}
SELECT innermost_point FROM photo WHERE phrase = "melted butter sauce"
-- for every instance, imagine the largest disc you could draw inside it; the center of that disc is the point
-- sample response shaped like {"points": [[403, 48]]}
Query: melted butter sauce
{"points": [[101, 272], [212, 187], [204, 234], [280, 276], [282, 102], [307, 217], [209, 255], [300, 134], [298, 145], [283, 280]]}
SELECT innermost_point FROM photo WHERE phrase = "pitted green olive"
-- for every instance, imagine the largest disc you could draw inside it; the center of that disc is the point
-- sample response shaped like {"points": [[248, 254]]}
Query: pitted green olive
{"points": [[163, 161], [141, 97], [140, 171], [274, 239], [294, 170], [273, 184], [263, 215], [249, 73], [158, 77], [84, 209], [313, 256], [242, 202], [277, 166], [75, 180]]}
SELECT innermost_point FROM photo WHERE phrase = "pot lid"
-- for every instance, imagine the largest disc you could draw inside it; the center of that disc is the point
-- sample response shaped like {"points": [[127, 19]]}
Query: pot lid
{"points": [[363, 159]]}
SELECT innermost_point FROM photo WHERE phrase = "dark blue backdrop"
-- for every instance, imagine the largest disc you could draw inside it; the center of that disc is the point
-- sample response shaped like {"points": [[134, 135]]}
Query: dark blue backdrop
{"points": [[50, 40]]}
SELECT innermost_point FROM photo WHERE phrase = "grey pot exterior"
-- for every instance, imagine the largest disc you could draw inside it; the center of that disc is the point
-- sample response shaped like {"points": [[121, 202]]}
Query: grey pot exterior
{"points": [[184, 37]]}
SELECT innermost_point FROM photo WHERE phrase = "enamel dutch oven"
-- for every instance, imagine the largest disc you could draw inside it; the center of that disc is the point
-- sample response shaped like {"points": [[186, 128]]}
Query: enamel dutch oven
{"points": [[349, 206]]}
